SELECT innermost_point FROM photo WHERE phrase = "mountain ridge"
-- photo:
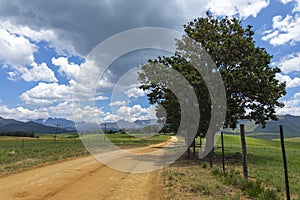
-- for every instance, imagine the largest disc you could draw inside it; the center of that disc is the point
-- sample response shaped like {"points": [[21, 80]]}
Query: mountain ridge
{"points": [[90, 127], [12, 125], [290, 123]]}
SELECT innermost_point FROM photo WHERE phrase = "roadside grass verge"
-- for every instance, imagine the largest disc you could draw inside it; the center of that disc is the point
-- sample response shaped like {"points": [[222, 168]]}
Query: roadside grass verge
{"points": [[190, 179], [266, 178], [265, 161], [252, 188]]}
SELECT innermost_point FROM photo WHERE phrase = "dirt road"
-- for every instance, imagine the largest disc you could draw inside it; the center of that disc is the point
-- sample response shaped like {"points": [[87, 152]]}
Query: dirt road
{"points": [[83, 178]]}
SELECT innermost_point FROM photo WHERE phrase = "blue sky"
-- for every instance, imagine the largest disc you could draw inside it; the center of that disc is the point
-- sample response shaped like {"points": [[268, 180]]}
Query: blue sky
{"points": [[44, 46]]}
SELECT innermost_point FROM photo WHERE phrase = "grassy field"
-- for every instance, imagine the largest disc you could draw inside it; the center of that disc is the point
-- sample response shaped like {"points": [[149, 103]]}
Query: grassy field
{"points": [[296, 139], [198, 181], [265, 161], [17, 154], [125, 140]]}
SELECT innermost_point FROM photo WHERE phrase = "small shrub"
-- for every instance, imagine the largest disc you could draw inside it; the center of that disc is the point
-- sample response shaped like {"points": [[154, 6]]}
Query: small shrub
{"points": [[234, 180], [269, 194], [73, 136], [169, 175], [204, 165], [197, 187], [215, 172], [235, 197], [252, 188], [205, 188]]}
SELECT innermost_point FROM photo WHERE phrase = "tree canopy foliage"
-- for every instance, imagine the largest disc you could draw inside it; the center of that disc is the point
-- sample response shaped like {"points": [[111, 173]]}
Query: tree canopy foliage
{"points": [[252, 91]]}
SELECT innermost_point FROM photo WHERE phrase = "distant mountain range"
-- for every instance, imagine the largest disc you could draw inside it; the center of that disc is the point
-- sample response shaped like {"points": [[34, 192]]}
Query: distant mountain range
{"points": [[291, 126], [290, 123], [90, 127], [11, 125], [63, 123]]}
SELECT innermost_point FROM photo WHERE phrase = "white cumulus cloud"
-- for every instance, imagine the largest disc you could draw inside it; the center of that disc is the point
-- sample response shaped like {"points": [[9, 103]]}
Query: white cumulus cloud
{"points": [[285, 29], [290, 82], [17, 53], [132, 113], [37, 72], [70, 70], [22, 114], [15, 50], [135, 92], [292, 106], [42, 34], [235, 7], [118, 103], [46, 94], [289, 63], [78, 112], [70, 111]]}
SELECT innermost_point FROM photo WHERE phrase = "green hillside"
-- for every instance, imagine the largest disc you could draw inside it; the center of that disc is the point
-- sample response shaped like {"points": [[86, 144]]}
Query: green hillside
{"points": [[291, 125]]}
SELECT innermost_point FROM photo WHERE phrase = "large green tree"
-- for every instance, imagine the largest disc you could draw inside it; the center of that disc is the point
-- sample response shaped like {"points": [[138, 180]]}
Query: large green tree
{"points": [[252, 91]]}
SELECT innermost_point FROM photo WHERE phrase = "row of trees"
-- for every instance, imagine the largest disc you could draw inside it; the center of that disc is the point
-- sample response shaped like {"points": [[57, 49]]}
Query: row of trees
{"points": [[18, 134]]}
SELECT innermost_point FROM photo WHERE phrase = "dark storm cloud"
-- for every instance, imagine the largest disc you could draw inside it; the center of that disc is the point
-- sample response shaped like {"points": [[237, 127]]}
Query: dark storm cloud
{"points": [[85, 23]]}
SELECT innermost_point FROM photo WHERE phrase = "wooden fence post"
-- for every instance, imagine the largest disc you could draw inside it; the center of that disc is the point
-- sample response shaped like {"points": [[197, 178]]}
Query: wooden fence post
{"points": [[211, 154], [187, 142], [200, 143], [194, 147], [244, 151], [57, 125], [286, 176], [223, 153]]}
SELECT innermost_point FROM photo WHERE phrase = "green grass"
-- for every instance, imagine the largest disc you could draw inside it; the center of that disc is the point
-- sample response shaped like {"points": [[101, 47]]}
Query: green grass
{"points": [[252, 188], [264, 165], [18, 154], [137, 140], [295, 139], [186, 179], [265, 161], [123, 141]]}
